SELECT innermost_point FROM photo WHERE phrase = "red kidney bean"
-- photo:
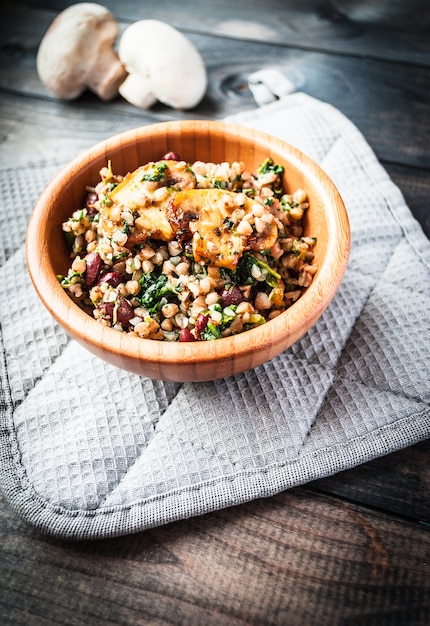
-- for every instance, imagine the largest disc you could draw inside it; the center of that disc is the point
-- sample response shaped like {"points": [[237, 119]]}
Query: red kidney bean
{"points": [[186, 335], [171, 156], [92, 271], [201, 323], [91, 198], [106, 308], [231, 295], [111, 278], [124, 312]]}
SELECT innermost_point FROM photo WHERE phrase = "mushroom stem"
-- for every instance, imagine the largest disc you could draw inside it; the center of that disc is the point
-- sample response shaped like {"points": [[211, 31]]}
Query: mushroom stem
{"points": [[138, 91], [162, 64], [107, 74]]}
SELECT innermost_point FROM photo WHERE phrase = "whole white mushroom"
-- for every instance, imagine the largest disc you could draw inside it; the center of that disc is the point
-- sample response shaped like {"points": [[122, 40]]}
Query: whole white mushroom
{"points": [[162, 65], [77, 53]]}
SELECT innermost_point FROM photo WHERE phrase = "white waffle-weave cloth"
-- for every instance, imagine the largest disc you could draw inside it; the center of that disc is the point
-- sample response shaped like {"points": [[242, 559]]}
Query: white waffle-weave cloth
{"points": [[88, 450]]}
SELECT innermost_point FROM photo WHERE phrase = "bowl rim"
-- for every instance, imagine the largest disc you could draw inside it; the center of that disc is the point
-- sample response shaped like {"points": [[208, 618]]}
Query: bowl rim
{"points": [[123, 345]]}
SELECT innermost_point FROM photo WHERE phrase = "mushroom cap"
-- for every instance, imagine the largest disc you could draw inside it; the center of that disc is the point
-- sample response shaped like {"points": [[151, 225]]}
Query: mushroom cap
{"points": [[163, 65], [69, 58]]}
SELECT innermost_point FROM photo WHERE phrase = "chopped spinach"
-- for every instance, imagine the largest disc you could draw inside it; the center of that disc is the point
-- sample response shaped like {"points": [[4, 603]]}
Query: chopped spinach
{"points": [[244, 272], [268, 166], [156, 291]]}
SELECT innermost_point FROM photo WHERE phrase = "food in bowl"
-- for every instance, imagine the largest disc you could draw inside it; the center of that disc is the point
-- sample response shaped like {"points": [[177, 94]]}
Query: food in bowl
{"points": [[189, 251], [209, 141]]}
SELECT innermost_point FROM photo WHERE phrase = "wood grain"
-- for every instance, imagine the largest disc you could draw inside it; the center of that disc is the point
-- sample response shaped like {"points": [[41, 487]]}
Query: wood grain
{"points": [[349, 550], [396, 104], [276, 561], [413, 182], [209, 141], [398, 483], [350, 27]]}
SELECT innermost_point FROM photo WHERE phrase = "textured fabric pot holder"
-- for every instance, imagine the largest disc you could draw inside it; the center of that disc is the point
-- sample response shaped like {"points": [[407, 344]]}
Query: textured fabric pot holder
{"points": [[90, 451]]}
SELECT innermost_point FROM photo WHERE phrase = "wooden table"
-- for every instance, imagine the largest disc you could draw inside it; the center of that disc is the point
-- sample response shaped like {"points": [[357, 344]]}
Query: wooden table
{"points": [[353, 549]]}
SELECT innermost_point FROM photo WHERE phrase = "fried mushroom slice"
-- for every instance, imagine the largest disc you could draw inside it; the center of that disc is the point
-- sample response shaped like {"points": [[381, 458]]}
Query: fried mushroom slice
{"points": [[138, 187], [220, 225], [145, 193]]}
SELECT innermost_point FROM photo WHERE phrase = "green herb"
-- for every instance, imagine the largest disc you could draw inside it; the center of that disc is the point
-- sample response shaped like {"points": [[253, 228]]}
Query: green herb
{"points": [[228, 315], [119, 256], [287, 206], [272, 278], [255, 320], [268, 166], [157, 172], [94, 217], [297, 248], [227, 275], [215, 307], [244, 274], [228, 223], [106, 201], [219, 184], [65, 281], [79, 217], [211, 331]]}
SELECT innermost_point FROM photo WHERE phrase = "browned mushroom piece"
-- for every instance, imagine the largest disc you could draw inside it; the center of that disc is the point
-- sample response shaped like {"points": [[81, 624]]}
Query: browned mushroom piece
{"points": [[221, 225]]}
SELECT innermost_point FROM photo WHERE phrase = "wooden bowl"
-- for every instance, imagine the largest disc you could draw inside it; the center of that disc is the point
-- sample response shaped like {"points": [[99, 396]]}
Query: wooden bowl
{"points": [[47, 255]]}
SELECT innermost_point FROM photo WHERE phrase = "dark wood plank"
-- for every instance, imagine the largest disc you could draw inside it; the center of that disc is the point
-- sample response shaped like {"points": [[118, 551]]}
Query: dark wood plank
{"points": [[57, 130], [273, 562], [392, 115], [350, 27], [352, 549], [414, 184], [399, 483]]}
